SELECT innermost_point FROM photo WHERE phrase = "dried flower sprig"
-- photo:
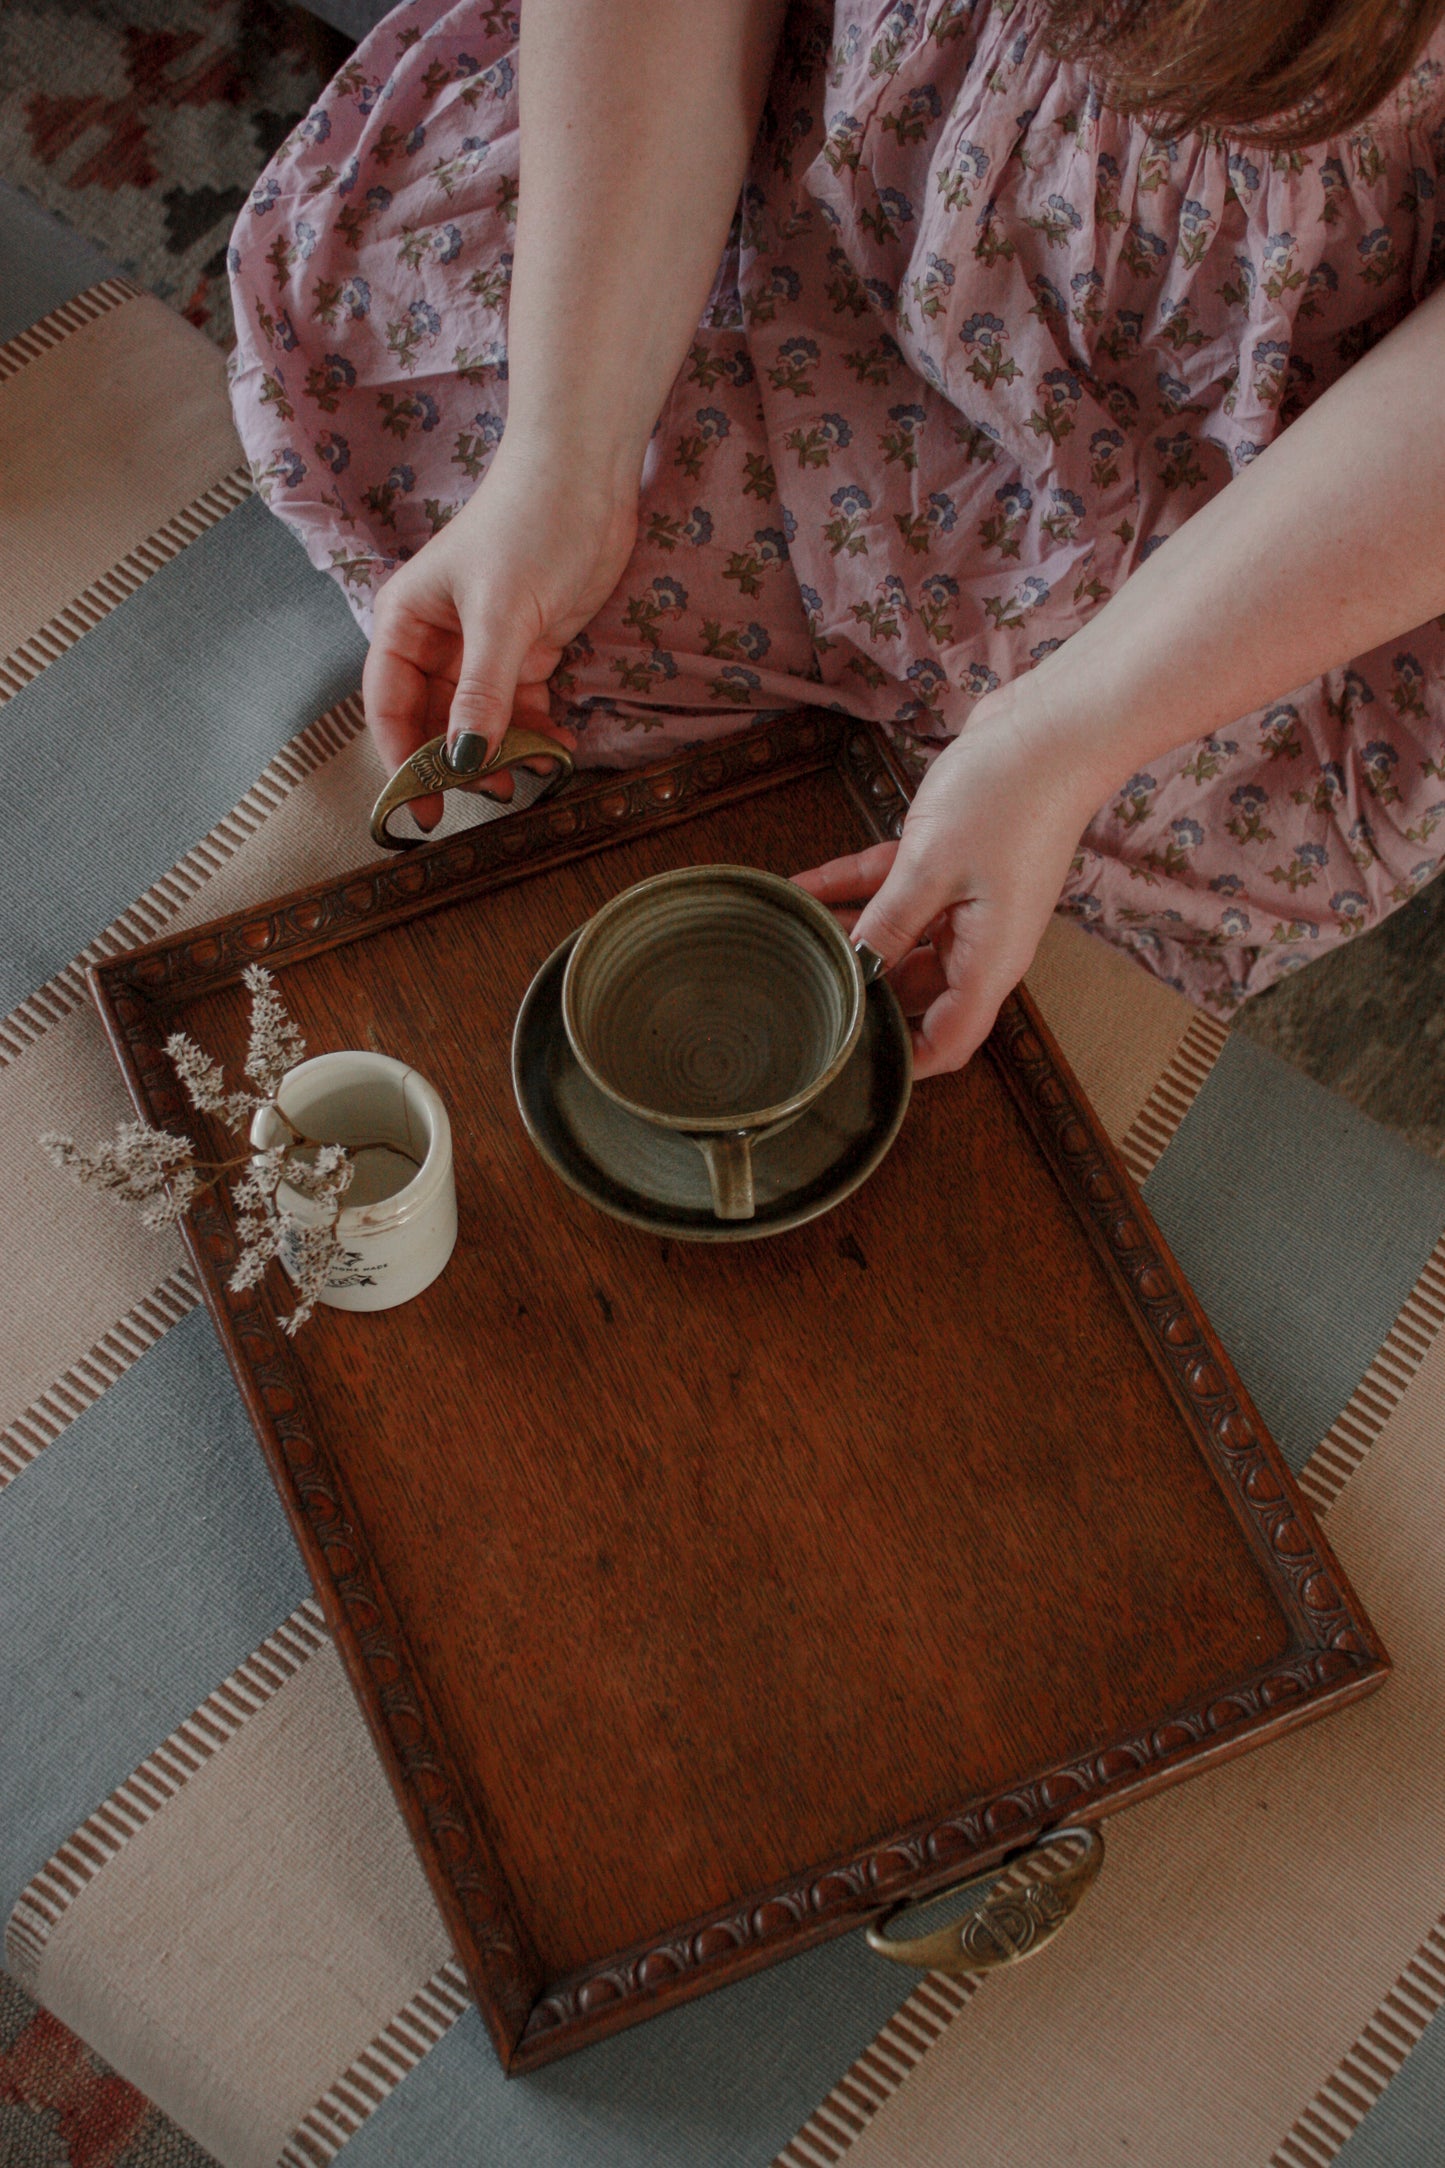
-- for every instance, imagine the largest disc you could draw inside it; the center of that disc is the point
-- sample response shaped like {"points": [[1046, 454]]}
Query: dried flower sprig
{"points": [[159, 1171]]}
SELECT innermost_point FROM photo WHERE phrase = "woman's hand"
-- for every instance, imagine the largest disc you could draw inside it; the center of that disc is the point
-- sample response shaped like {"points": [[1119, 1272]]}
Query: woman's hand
{"points": [[958, 905], [467, 632]]}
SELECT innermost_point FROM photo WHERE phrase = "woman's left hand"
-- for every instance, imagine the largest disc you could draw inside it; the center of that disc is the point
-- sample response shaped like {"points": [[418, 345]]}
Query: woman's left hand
{"points": [[958, 905]]}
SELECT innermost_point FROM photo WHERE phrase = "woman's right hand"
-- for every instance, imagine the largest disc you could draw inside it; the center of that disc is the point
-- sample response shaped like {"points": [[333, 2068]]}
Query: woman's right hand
{"points": [[467, 632]]}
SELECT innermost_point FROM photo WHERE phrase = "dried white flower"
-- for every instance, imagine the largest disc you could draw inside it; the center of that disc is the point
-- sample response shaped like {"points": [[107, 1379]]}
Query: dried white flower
{"points": [[276, 1041], [137, 1162], [309, 1255], [159, 1171], [205, 1081]]}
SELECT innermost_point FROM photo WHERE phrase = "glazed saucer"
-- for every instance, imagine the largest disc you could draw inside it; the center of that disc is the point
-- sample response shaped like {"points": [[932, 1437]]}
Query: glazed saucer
{"points": [[658, 1181]]}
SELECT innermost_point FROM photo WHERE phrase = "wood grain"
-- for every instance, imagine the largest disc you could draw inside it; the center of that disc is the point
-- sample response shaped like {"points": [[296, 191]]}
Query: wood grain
{"points": [[701, 1600]]}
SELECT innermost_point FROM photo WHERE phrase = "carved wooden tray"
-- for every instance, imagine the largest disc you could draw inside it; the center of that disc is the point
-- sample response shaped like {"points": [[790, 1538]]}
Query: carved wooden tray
{"points": [[702, 1600]]}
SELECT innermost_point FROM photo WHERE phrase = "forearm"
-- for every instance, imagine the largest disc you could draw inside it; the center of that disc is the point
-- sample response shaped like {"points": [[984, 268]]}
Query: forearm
{"points": [[1330, 543], [637, 117]]}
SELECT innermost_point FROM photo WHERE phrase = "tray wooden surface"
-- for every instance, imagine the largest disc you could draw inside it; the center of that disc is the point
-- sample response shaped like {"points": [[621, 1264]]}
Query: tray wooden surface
{"points": [[703, 1600]]}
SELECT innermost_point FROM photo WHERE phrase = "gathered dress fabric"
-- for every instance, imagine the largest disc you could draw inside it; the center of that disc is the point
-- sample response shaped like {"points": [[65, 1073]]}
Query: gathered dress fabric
{"points": [[977, 345]]}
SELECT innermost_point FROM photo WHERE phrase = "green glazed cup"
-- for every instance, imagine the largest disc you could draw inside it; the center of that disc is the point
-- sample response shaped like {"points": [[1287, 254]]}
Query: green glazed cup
{"points": [[717, 1002]]}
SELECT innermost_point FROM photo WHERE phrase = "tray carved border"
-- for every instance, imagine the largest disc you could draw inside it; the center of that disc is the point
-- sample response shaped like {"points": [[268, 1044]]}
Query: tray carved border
{"points": [[1334, 1654]]}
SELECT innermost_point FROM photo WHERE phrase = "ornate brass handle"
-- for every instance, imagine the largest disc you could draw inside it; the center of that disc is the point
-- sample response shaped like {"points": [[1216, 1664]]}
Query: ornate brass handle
{"points": [[1018, 1918], [429, 771]]}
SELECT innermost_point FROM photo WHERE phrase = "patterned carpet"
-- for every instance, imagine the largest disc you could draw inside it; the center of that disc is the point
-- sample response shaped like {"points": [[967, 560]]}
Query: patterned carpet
{"points": [[60, 2107], [143, 123]]}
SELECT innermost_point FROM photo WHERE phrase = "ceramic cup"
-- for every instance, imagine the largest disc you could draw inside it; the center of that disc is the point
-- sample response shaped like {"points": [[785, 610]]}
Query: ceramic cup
{"points": [[717, 1002], [398, 1226]]}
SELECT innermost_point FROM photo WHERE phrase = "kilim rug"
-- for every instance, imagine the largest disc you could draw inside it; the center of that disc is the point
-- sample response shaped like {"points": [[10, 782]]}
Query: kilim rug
{"points": [[143, 124], [202, 1874]]}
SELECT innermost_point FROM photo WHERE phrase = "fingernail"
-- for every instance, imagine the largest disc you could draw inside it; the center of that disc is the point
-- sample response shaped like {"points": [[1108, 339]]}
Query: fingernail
{"points": [[467, 752], [872, 963]]}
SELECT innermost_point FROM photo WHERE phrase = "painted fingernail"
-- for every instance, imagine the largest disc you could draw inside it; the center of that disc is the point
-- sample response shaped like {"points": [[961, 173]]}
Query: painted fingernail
{"points": [[467, 751]]}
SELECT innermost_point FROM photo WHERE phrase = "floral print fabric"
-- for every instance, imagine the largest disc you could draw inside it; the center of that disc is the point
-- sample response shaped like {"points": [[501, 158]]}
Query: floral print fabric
{"points": [[977, 346]]}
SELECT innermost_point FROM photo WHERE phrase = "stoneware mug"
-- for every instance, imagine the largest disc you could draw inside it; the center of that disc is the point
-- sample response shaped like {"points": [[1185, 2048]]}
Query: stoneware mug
{"points": [[717, 1002], [398, 1226]]}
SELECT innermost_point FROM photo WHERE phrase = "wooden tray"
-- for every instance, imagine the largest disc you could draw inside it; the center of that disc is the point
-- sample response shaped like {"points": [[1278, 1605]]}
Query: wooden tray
{"points": [[702, 1600]]}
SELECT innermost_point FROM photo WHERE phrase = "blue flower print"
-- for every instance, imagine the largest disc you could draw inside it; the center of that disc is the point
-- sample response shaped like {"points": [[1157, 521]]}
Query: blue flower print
{"points": [[1045, 647], [1377, 254], [929, 676], [936, 597], [1301, 871], [851, 499], [285, 333], [790, 527], [1234, 923], [328, 379], [1088, 909], [347, 178], [1150, 543], [754, 642], [812, 601], [233, 258], [446, 243], [1187, 834], [733, 682], [306, 238], [264, 196], [962, 174], [978, 679], [897, 205], [942, 513], [1105, 446], [1243, 174], [378, 200], [1351, 906], [499, 78], [697, 527], [1379, 762], [1136, 794], [1226, 884], [467, 64], [1066, 510], [1049, 300], [1144, 252], [1243, 453], [334, 450], [316, 127], [289, 467], [712, 424], [772, 545], [882, 296], [1195, 219], [356, 297]]}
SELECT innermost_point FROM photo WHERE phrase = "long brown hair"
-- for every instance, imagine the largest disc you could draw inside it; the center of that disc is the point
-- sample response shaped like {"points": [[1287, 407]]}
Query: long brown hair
{"points": [[1288, 72]]}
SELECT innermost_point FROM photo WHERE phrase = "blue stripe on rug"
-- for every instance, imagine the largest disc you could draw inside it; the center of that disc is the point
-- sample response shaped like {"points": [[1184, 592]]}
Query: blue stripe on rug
{"points": [[137, 740], [142, 1557], [1302, 1227], [42, 263], [1406, 2126]]}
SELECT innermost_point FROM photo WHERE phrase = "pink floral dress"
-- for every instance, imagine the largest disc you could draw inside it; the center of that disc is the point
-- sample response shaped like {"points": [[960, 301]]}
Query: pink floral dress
{"points": [[978, 344]]}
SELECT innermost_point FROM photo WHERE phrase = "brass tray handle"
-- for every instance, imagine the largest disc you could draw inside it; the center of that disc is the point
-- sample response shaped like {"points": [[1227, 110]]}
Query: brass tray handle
{"points": [[1019, 1917], [428, 771]]}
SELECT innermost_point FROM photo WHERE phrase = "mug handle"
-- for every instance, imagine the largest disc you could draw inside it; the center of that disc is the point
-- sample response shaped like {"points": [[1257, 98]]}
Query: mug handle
{"points": [[429, 771], [729, 1159]]}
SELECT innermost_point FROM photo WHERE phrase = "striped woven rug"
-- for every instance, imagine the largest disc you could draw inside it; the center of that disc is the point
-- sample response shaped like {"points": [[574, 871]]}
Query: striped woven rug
{"points": [[201, 1869]]}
